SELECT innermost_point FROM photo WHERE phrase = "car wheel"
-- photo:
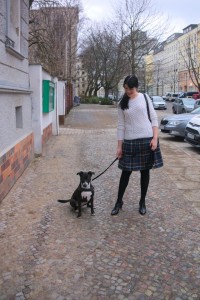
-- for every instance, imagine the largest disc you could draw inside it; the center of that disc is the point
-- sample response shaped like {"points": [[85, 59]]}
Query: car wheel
{"points": [[183, 111], [173, 109]]}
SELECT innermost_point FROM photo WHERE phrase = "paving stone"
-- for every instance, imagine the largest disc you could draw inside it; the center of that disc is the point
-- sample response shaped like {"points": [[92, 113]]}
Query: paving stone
{"points": [[48, 253]]}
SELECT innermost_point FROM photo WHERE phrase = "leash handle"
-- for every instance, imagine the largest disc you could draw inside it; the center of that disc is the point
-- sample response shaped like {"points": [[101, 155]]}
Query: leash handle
{"points": [[106, 169]]}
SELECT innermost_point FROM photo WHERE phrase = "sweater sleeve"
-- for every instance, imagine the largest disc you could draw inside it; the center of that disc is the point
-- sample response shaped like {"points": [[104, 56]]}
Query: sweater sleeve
{"points": [[153, 115], [121, 124]]}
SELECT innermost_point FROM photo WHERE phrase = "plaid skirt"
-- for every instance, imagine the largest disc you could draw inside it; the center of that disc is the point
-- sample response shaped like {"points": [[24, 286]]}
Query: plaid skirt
{"points": [[137, 155]]}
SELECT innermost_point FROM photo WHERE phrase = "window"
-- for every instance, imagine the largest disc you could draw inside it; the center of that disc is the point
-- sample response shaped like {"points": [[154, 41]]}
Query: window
{"points": [[18, 114], [13, 24]]}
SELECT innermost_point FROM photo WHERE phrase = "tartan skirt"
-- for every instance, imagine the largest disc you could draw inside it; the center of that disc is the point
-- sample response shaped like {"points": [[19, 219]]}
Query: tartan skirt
{"points": [[137, 155]]}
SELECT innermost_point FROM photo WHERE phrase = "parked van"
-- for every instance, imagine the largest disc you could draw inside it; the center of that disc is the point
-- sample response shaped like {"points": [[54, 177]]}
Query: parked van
{"points": [[171, 96], [188, 94], [192, 131]]}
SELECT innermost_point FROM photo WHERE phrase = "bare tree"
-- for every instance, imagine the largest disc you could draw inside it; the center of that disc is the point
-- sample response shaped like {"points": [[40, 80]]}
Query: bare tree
{"points": [[190, 55], [30, 3], [140, 29], [103, 59], [53, 36]]}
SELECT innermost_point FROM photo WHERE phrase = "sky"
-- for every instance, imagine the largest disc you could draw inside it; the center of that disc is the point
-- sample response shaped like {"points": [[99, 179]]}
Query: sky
{"points": [[180, 13]]}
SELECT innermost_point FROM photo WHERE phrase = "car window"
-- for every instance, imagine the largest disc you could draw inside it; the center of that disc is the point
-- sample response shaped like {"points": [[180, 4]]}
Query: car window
{"points": [[158, 99], [196, 111], [188, 101]]}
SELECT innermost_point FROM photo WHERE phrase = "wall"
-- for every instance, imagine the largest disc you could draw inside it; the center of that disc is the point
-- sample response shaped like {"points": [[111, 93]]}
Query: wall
{"points": [[61, 102], [13, 162], [16, 136], [43, 124]]}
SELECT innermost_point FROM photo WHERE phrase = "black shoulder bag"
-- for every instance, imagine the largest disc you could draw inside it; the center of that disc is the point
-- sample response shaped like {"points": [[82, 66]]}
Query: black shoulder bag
{"points": [[145, 97], [152, 152]]}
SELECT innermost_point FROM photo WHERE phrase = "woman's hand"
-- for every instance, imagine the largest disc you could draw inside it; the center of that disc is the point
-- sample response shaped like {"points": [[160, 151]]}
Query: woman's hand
{"points": [[154, 144], [119, 152], [119, 149]]}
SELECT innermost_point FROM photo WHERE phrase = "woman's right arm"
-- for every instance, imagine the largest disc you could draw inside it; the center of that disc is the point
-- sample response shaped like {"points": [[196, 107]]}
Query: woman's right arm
{"points": [[120, 132], [119, 149]]}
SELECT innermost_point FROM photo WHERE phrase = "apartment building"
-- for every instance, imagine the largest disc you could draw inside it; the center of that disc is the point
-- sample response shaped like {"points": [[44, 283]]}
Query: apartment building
{"points": [[189, 50], [172, 70], [149, 73], [81, 83]]}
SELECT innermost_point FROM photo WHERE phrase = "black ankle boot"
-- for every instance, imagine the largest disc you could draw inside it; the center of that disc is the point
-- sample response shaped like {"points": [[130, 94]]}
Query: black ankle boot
{"points": [[142, 208], [117, 207]]}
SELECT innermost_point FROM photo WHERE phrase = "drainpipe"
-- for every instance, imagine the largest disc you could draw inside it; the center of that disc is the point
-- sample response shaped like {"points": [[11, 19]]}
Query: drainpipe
{"points": [[55, 80], [7, 17]]}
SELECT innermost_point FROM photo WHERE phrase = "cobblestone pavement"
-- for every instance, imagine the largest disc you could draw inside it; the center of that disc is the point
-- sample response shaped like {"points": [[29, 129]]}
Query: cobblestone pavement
{"points": [[47, 253]]}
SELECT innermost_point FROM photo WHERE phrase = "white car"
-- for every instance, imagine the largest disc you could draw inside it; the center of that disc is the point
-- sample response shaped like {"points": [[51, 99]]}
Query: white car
{"points": [[158, 102], [197, 104], [192, 131]]}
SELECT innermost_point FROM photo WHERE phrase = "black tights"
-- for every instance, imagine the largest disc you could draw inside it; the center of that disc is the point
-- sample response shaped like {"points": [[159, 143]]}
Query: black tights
{"points": [[144, 183]]}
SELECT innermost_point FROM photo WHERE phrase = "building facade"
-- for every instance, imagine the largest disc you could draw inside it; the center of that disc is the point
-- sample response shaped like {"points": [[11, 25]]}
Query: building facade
{"points": [[81, 81], [16, 135], [172, 62]]}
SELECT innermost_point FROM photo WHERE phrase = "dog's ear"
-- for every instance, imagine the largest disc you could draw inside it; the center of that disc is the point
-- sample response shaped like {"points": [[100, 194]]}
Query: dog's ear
{"points": [[91, 173], [80, 173]]}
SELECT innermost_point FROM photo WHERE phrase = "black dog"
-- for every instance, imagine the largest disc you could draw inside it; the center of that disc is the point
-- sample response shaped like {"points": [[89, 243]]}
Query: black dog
{"points": [[84, 194]]}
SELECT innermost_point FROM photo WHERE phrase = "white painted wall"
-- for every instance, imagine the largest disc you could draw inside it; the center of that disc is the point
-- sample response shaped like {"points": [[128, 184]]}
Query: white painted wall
{"points": [[61, 98], [55, 124], [9, 133], [14, 83], [35, 72], [41, 120]]}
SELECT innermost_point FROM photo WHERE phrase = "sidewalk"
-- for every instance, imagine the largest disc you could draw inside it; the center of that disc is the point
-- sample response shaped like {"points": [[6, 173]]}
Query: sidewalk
{"points": [[47, 253]]}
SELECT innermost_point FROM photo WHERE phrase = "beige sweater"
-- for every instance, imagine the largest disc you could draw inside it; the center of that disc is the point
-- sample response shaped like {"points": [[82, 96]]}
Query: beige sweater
{"points": [[133, 123]]}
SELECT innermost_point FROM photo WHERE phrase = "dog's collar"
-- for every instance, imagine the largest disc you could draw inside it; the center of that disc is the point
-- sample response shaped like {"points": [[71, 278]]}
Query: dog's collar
{"points": [[86, 190]]}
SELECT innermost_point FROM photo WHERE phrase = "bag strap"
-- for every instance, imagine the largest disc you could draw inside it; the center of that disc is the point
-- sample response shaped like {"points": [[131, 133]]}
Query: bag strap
{"points": [[145, 97]]}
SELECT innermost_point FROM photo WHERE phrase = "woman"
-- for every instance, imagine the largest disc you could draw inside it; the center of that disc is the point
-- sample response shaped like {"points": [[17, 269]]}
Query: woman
{"points": [[138, 148]]}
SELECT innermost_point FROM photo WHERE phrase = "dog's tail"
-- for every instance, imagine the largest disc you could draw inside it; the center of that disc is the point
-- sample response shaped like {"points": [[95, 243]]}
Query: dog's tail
{"points": [[64, 201]]}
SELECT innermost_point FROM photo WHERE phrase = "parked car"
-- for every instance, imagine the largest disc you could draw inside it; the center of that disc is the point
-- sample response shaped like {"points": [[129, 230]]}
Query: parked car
{"points": [[158, 102], [188, 94], [171, 96], [197, 104], [183, 105], [196, 96], [175, 124], [76, 101], [192, 131]]}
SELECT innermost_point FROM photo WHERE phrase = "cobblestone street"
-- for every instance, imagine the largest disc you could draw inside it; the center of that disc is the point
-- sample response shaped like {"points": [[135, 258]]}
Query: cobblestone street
{"points": [[47, 253]]}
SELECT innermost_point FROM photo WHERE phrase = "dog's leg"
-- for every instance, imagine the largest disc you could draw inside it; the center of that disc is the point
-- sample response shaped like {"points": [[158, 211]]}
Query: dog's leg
{"points": [[73, 204], [89, 203], [79, 209], [92, 206]]}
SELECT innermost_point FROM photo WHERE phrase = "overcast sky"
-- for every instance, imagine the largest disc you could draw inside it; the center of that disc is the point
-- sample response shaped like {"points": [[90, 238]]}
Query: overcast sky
{"points": [[181, 13]]}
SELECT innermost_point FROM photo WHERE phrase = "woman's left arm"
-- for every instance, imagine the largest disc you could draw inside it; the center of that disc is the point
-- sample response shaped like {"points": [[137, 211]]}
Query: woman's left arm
{"points": [[154, 141]]}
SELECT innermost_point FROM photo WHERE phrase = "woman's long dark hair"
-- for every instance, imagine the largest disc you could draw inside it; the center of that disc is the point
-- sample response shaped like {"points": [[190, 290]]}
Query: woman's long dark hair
{"points": [[131, 81]]}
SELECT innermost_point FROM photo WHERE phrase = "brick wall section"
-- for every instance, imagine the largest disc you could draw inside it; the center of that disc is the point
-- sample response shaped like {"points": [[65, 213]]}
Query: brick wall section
{"points": [[47, 133], [14, 162]]}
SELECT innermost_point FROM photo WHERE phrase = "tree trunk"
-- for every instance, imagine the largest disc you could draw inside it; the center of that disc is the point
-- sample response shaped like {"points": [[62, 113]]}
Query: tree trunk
{"points": [[106, 93]]}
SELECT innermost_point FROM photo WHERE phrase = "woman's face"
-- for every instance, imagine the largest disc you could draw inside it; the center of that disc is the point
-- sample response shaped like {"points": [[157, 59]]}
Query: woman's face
{"points": [[129, 91]]}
